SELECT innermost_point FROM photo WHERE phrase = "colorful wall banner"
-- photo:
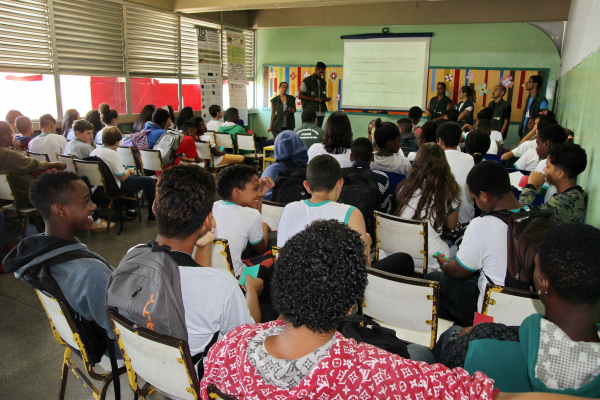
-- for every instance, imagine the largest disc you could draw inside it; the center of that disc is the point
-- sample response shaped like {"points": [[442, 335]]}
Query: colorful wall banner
{"points": [[480, 79]]}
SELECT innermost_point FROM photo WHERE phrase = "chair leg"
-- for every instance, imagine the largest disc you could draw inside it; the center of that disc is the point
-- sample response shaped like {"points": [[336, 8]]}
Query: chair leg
{"points": [[110, 205], [139, 209], [24, 224], [63, 380]]}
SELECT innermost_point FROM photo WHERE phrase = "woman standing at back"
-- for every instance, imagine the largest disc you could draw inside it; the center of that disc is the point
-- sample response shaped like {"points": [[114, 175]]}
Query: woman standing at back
{"points": [[430, 193], [283, 107], [337, 140]]}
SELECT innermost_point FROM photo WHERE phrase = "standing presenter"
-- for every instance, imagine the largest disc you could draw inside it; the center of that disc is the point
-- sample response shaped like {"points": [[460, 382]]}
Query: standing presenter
{"points": [[313, 93]]}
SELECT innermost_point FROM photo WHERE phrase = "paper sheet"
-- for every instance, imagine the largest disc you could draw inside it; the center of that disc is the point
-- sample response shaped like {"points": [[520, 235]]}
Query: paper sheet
{"points": [[515, 178], [209, 53]]}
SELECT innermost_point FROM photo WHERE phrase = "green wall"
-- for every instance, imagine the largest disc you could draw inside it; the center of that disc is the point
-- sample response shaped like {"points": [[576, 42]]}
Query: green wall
{"points": [[513, 45], [577, 111]]}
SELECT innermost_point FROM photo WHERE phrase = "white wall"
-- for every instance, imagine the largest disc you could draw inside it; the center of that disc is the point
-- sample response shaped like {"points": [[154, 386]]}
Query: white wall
{"points": [[582, 37]]}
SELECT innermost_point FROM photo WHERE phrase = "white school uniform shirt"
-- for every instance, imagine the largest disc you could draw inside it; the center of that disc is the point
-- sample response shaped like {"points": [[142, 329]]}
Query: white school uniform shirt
{"points": [[318, 148], [298, 215], [497, 136], [460, 165], [49, 143], [528, 161], [112, 159], [484, 248], [434, 240], [213, 125], [239, 225], [550, 189], [523, 147]]}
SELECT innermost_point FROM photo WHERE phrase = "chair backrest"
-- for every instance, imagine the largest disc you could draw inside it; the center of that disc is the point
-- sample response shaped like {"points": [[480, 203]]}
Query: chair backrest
{"points": [[409, 305], [151, 159], [38, 156], [61, 327], [394, 179], [395, 234], [5, 189], [275, 251], [162, 361], [246, 142], [510, 306], [211, 134], [492, 157], [224, 139], [271, 213], [92, 170], [67, 160], [221, 256], [126, 156], [203, 150]]}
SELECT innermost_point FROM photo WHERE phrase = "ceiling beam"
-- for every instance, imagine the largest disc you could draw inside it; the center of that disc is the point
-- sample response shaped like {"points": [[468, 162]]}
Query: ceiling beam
{"points": [[196, 6]]}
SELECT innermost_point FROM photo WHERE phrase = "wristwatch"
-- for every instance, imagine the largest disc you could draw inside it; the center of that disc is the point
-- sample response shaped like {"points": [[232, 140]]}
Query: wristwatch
{"points": [[530, 186]]}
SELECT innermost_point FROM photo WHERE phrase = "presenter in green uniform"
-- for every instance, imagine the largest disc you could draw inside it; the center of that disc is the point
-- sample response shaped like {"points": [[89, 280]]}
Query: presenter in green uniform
{"points": [[502, 110], [436, 109], [283, 107], [313, 93], [466, 107]]}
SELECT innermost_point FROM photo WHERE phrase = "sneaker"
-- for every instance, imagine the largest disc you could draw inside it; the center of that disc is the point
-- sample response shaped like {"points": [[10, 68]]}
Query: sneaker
{"points": [[152, 218], [129, 215]]}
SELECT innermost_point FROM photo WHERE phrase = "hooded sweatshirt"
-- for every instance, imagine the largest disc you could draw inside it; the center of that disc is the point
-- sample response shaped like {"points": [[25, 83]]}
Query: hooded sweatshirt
{"points": [[544, 359], [82, 281], [153, 133], [288, 147], [396, 163], [346, 371]]}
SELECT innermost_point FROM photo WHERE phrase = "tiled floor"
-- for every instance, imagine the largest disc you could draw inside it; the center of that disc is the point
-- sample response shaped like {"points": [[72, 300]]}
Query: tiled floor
{"points": [[30, 357]]}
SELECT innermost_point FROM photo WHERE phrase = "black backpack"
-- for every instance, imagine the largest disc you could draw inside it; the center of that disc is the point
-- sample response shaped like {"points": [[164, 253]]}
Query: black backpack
{"points": [[526, 233], [361, 190], [289, 184], [376, 335]]}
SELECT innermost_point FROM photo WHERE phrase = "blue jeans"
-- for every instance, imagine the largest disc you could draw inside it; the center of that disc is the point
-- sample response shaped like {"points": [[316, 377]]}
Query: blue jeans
{"points": [[136, 183]]}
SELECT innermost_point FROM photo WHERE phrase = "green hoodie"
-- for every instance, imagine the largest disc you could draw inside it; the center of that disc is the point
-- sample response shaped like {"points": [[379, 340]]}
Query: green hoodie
{"points": [[233, 129], [512, 365]]}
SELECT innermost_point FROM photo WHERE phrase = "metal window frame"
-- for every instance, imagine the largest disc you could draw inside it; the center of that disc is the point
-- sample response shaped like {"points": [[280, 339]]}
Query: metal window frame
{"points": [[200, 22]]}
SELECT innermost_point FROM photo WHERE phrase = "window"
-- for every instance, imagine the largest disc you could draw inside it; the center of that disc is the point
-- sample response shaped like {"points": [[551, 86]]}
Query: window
{"points": [[33, 95], [157, 91], [190, 93], [85, 93]]}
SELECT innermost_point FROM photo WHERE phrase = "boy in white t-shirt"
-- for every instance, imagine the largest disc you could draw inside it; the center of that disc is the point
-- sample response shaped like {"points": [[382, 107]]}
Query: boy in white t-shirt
{"points": [[484, 246], [238, 215], [127, 182], [48, 142], [217, 114]]}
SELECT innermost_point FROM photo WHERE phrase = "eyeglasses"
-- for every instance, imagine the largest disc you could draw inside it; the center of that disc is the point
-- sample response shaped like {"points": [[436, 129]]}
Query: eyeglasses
{"points": [[529, 82]]}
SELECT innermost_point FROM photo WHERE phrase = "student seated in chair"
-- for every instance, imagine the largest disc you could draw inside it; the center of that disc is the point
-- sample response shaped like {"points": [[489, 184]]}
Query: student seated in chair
{"points": [[127, 182], [388, 156], [231, 126], [563, 164], [319, 278], [81, 146], [219, 157], [211, 297], [484, 246], [18, 167], [361, 157], [558, 352], [48, 142], [63, 200], [25, 128], [238, 215]]}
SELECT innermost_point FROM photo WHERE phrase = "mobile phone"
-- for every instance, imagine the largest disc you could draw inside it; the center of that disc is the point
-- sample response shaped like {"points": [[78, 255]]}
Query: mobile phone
{"points": [[438, 253]]}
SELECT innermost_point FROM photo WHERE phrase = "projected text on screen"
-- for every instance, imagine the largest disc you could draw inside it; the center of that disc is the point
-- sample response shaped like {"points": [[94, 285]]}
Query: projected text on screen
{"points": [[385, 74]]}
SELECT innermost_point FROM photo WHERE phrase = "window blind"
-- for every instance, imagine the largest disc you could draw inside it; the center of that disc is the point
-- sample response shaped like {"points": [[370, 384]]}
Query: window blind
{"points": [[89, 42], [152, 43], [25, 44]]}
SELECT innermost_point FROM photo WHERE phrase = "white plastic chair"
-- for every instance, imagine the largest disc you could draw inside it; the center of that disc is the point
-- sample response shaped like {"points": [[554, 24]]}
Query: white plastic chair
{"points": [[221, 256], [151, 160], [406, 305], [127, 158], [399, 235], [271, 213], [164, 362], [224, 139], [6, 193], [510, 306], [65, 332], [67, 160], [246, 142], [38, 156]]}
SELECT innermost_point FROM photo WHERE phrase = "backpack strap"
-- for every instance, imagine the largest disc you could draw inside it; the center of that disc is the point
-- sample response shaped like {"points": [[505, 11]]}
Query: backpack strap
{"points": [[199, 358]]}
